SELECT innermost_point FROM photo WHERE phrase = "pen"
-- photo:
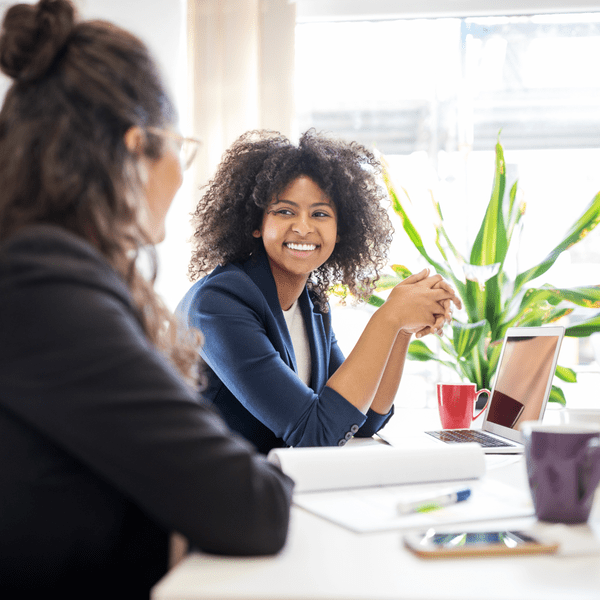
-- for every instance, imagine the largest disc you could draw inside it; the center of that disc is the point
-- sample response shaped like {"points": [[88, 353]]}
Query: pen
{"points": [[434, 501]]}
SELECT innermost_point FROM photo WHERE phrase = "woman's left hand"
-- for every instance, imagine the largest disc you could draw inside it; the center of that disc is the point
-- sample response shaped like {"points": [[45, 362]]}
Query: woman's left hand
{"points": [[444, 318]]}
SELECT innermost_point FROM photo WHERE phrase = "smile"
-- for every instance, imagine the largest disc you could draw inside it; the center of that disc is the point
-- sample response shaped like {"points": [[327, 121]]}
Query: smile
{"points": [[300, 247]]}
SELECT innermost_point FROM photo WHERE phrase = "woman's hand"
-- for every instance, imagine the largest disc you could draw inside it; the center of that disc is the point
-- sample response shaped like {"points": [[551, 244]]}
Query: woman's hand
{"points": [[447, 305], [371, 374], [422, 304]]}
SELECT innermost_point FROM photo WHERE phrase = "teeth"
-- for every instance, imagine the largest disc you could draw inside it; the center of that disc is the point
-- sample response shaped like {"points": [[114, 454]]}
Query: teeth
{"points": [[304, 247]]}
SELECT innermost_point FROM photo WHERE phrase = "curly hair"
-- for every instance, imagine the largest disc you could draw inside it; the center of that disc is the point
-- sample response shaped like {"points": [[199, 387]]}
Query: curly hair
{"points": [[257, 168], [78, 86]]}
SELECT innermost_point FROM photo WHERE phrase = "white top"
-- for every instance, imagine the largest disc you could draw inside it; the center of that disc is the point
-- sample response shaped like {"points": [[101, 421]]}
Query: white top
{"points": [[297, 329]]}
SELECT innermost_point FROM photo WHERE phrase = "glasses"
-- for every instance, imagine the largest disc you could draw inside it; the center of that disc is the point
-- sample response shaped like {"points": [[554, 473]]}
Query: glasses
{"points": [[188, 146]]}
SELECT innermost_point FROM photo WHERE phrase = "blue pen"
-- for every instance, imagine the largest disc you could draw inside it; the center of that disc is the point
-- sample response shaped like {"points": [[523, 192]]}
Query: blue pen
{"points": [[433, 502]]}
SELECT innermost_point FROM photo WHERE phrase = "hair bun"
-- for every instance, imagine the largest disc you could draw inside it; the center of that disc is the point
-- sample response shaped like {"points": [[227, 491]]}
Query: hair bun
{"points": [[33, 36]]}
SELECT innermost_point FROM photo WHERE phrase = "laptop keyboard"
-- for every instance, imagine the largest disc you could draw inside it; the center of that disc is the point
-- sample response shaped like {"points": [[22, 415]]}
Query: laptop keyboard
{"points": [[459, 436]]}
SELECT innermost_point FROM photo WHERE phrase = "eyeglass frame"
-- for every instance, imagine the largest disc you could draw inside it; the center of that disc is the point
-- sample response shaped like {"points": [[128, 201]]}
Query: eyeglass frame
{"points": [[181, 140]]}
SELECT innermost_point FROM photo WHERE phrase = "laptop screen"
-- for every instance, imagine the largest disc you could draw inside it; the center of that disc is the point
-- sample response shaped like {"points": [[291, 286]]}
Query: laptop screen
{"points": [[523, 380]]}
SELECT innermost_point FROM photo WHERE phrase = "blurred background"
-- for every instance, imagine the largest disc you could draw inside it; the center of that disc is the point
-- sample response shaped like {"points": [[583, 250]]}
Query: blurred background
{"points": [[430, 87]]}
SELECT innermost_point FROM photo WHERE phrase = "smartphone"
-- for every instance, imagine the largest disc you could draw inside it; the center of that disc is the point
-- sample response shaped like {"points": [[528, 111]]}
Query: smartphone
{"points": [[442, 544]]}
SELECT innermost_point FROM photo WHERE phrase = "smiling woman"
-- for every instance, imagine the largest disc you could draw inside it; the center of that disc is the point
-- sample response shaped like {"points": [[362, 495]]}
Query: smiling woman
{"points": [[278, 226], [299, 233]]}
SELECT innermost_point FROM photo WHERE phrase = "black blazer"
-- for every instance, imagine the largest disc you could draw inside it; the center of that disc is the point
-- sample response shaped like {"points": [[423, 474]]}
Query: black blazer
{"points": [[105, 449]]}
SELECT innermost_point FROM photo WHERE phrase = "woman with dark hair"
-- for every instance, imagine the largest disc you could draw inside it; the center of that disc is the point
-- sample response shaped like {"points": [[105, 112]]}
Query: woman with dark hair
{"points": [[107, 445], [278, 226]]}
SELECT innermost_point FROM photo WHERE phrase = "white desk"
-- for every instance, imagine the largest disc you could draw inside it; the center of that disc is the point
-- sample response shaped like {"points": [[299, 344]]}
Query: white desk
{"points": [[322, 561]]}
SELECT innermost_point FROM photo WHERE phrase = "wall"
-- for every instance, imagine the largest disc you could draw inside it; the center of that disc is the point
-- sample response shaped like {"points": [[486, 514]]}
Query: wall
{"points": [[158, 22], [161, 24]]}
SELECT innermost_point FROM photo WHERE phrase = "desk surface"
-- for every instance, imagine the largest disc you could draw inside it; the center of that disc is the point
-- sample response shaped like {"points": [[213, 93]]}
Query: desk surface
{"points": [[322, 561]]}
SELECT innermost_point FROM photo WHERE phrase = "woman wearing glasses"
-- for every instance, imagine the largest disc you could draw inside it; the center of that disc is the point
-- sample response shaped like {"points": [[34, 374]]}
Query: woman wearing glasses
{"points": [[107, 447]]}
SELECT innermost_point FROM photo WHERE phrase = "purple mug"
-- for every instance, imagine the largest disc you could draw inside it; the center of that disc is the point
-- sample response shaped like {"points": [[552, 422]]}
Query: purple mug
{"points": [[563, 468]]}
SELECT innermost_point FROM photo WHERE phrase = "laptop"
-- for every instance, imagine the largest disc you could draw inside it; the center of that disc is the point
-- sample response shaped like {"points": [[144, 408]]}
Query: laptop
{"points": [[520, 392]]}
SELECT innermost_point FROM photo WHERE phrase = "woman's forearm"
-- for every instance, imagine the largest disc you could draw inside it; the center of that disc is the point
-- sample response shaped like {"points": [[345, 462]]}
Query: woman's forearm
{"points": [[359, 377], [370, 376], [390, 381]]}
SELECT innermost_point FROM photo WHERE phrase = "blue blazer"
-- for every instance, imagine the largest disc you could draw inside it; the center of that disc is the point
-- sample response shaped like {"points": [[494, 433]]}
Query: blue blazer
{"points": [[252, 368]]}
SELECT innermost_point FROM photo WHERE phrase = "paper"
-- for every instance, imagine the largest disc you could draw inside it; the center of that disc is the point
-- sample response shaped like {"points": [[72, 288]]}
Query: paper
{"points": [[333, 468], [374, 509], [360, 487]]}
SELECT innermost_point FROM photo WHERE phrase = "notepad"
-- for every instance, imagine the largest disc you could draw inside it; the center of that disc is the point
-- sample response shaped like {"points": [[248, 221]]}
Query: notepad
{"points": [[359, 488]]}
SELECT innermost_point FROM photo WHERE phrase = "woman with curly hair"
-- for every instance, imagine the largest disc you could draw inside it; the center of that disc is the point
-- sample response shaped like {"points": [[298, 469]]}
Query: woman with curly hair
{"points": [[107, 446], [278, 226]]}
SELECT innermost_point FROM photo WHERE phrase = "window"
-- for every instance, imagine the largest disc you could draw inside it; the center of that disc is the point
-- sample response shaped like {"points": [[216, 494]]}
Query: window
{"points": [[433, 95]]}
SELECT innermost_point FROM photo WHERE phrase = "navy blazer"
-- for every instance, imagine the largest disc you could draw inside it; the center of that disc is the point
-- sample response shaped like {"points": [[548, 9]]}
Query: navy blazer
{"points": [[252, 368]]}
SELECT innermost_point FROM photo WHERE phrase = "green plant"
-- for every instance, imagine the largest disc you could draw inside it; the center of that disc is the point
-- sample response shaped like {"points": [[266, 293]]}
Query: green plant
{"points": [[492, 300]]}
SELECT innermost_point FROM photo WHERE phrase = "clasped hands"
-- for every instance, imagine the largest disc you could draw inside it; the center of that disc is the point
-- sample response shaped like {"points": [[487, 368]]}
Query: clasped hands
{"points": [[426, 303]]}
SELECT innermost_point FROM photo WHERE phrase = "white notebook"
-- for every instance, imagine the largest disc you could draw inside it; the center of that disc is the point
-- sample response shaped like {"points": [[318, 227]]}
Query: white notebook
{"points": [[360, 487]]}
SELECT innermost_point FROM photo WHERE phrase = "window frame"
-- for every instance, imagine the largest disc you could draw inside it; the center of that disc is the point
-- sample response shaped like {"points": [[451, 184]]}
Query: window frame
{"points": [[343, 10]]}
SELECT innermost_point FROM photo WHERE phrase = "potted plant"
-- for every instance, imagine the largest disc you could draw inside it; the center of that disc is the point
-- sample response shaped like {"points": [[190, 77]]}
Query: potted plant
{"points": [[492, 300]]}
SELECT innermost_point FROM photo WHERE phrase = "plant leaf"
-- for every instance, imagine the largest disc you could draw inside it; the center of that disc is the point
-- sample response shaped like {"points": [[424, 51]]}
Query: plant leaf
{"points": [[418, 350], [387, 282], [407, 224], [584, 328], [375, 300], [491, 244], [540, 314], [511, 205], [401, 271], [466, 335], [557, 395], [586, 223], [515, 213], [587, 296], [494, 351], [566, 374], [441, 233]]}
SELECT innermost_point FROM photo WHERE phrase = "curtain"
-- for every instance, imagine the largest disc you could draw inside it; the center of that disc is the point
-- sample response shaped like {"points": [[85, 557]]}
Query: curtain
{"points": [[241, 72]]}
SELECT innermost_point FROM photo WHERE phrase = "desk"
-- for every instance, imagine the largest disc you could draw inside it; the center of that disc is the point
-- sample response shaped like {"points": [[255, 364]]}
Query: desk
{"points": [[322, 561]]}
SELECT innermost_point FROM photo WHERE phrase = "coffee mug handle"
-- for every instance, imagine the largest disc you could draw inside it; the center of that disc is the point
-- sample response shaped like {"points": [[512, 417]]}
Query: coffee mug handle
{"points": [[486, 403]]}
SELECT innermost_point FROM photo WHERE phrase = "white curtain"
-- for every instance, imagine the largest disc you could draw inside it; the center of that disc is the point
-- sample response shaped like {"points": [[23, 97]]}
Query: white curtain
{"points": [[241, 72]]}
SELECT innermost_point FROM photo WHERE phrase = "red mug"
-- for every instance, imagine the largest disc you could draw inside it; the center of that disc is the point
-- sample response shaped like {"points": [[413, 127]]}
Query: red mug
{"points": [[456, 402]]}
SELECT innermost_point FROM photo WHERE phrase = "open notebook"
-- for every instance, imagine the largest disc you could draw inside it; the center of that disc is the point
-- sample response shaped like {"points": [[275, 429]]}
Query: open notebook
{"points": [[520, 392], [360, 486]]}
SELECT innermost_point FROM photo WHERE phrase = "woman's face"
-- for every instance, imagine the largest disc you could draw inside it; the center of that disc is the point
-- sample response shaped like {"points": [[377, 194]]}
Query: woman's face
{"points": [[299, 229], [165, 176]]}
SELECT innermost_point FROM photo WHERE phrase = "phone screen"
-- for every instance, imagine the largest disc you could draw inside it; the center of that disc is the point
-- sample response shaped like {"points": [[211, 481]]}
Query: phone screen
{"points": [[510, 539]]}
